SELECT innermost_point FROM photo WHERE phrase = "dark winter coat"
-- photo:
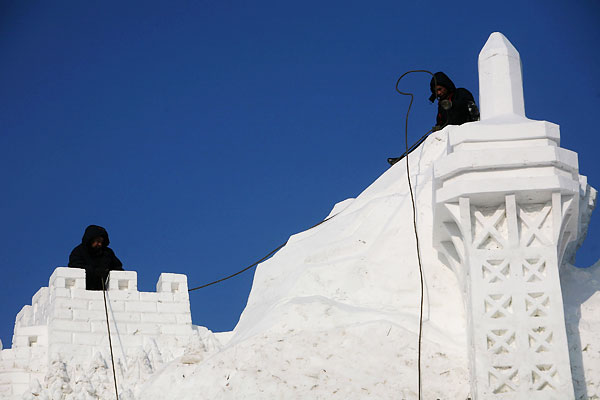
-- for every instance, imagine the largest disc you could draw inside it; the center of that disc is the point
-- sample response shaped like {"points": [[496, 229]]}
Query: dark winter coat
{"points": [[463, 108], [96, 262]]}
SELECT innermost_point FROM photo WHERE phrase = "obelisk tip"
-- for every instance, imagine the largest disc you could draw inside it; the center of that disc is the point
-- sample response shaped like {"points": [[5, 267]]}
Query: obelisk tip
{"points": [[500, 79], [497, 43]]}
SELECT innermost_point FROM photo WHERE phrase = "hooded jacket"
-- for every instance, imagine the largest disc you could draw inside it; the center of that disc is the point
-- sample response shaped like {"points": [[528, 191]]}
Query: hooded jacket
{"points": [[463, 108], [96, 262]]}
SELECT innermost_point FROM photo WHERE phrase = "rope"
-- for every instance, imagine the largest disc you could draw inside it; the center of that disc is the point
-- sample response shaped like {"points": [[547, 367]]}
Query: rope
{"points": [[112, 358], [412, 197], [393, 161], [414, 208], [257, 262]]}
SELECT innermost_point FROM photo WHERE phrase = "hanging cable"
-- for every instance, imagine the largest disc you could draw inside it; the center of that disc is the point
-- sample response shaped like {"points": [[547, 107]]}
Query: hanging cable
{"points": [[257, 262], [414, 208], [112, 358], [412, 197]]}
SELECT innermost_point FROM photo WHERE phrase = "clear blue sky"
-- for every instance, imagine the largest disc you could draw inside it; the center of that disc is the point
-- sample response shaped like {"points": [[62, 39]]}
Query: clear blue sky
{"points": [[202, 134]]}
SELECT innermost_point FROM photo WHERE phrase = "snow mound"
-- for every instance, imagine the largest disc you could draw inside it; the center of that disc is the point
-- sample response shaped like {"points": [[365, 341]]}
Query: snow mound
{"points": [[335, 313]]}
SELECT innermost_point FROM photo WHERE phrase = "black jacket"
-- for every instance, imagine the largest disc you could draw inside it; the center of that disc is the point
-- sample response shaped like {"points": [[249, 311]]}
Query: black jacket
{"points": [[96, 262], [462, 104]]}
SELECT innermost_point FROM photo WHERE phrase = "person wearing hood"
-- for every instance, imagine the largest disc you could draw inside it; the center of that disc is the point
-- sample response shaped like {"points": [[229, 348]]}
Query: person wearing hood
{"points": [[94, 255], [455, 106]]}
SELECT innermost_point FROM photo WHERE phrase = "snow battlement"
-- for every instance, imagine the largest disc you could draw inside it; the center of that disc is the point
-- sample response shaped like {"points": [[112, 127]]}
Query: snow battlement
{"points": [[66, 320]]}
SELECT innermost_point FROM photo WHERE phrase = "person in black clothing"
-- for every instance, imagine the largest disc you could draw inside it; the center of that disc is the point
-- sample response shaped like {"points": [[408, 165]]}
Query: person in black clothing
{"points": [[95, 257], [455, 106]]}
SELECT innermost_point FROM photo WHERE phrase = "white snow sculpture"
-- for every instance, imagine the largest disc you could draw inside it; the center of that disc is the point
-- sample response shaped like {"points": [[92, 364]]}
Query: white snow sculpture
{"points": [[507, 207], [335, 313], [67, 323]]}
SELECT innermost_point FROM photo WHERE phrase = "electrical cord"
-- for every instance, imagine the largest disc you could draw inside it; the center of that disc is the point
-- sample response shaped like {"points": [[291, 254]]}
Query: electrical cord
{"points": [[412, 197], [393, 161], [257, 262], [414, 208], [112, 358]]}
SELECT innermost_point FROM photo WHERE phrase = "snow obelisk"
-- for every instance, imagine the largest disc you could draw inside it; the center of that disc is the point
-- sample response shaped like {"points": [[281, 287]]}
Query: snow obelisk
{"points": [[507, 204]]}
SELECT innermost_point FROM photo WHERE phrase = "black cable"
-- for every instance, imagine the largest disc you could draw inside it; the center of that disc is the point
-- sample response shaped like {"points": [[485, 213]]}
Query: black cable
{"points": [[393, 161], [412, 198], [112, 358], [257, 262]]}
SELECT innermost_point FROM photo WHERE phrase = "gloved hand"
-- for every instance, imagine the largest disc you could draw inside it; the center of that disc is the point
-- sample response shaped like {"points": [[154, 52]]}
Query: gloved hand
{"points": [[436, 128]]}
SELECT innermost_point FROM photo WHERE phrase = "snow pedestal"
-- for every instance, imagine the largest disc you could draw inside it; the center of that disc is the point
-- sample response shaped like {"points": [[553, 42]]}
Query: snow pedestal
{"points": [[507, 207], [67, 323]]}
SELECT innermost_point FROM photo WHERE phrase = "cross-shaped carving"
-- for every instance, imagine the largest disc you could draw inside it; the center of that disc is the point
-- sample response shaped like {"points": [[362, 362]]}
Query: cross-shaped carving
{"points": [[534, 270], [536, 304], [504, 379], [500, 341], [540, 339], [489, 228], [533, 225], [495, 271], [498, 305], [543, 377]]}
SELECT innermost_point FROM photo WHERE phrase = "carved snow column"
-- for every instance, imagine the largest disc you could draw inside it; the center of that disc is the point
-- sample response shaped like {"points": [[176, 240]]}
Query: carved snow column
{"points": [[507, 199]]}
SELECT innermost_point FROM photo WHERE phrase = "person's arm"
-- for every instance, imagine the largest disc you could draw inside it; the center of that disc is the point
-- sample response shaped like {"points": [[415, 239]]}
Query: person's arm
{"points": [[464, 106], [115, 263], [76, 258]]}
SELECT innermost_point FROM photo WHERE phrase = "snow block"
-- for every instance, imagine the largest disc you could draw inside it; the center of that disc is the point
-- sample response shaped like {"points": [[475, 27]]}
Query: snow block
{"points": [[172, 283], [69, 278], [66, 321], [122, 280]]}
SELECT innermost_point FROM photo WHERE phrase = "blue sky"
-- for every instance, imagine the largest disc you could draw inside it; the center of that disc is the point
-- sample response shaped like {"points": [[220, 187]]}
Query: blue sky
{"points": [[202, 134]]}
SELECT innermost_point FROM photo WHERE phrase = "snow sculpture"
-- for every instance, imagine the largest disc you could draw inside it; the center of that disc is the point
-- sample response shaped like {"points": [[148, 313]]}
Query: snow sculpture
{"points": [[66, 320], [507, 207]]}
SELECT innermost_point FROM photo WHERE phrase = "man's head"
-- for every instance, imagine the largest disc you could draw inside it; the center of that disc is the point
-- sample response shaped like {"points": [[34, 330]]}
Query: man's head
{"points": [[441, 87], [441, 92], [95, 237], [97, 242]]}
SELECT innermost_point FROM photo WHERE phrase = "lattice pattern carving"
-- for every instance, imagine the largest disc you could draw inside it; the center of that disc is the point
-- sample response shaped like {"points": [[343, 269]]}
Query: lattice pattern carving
{"points": [[498, 305], [534, 270], [503, 379], [537, 304], [540, 339], [494, 271], [544, 377], [511, 251], [501, 341], [489, 228], [535, 226]]}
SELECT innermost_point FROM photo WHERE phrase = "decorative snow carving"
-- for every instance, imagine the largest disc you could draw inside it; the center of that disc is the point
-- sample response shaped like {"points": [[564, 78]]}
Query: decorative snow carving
{"points": [[506, 237], [147, 328], [331, 316]]}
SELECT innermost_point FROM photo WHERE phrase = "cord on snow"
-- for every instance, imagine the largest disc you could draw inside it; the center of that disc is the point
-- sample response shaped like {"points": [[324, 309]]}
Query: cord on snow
{"points": [[112, 358], [414, 208], [412, 198], [257, 262]]}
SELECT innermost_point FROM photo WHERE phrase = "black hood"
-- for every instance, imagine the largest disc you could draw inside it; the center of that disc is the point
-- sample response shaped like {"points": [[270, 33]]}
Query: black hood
{"points": [[92, 232], [442, 80]]}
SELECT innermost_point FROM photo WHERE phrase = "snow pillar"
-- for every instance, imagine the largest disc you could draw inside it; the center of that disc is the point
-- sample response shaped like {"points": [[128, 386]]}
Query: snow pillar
{"points": [[500, 79], [507, 206]]}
